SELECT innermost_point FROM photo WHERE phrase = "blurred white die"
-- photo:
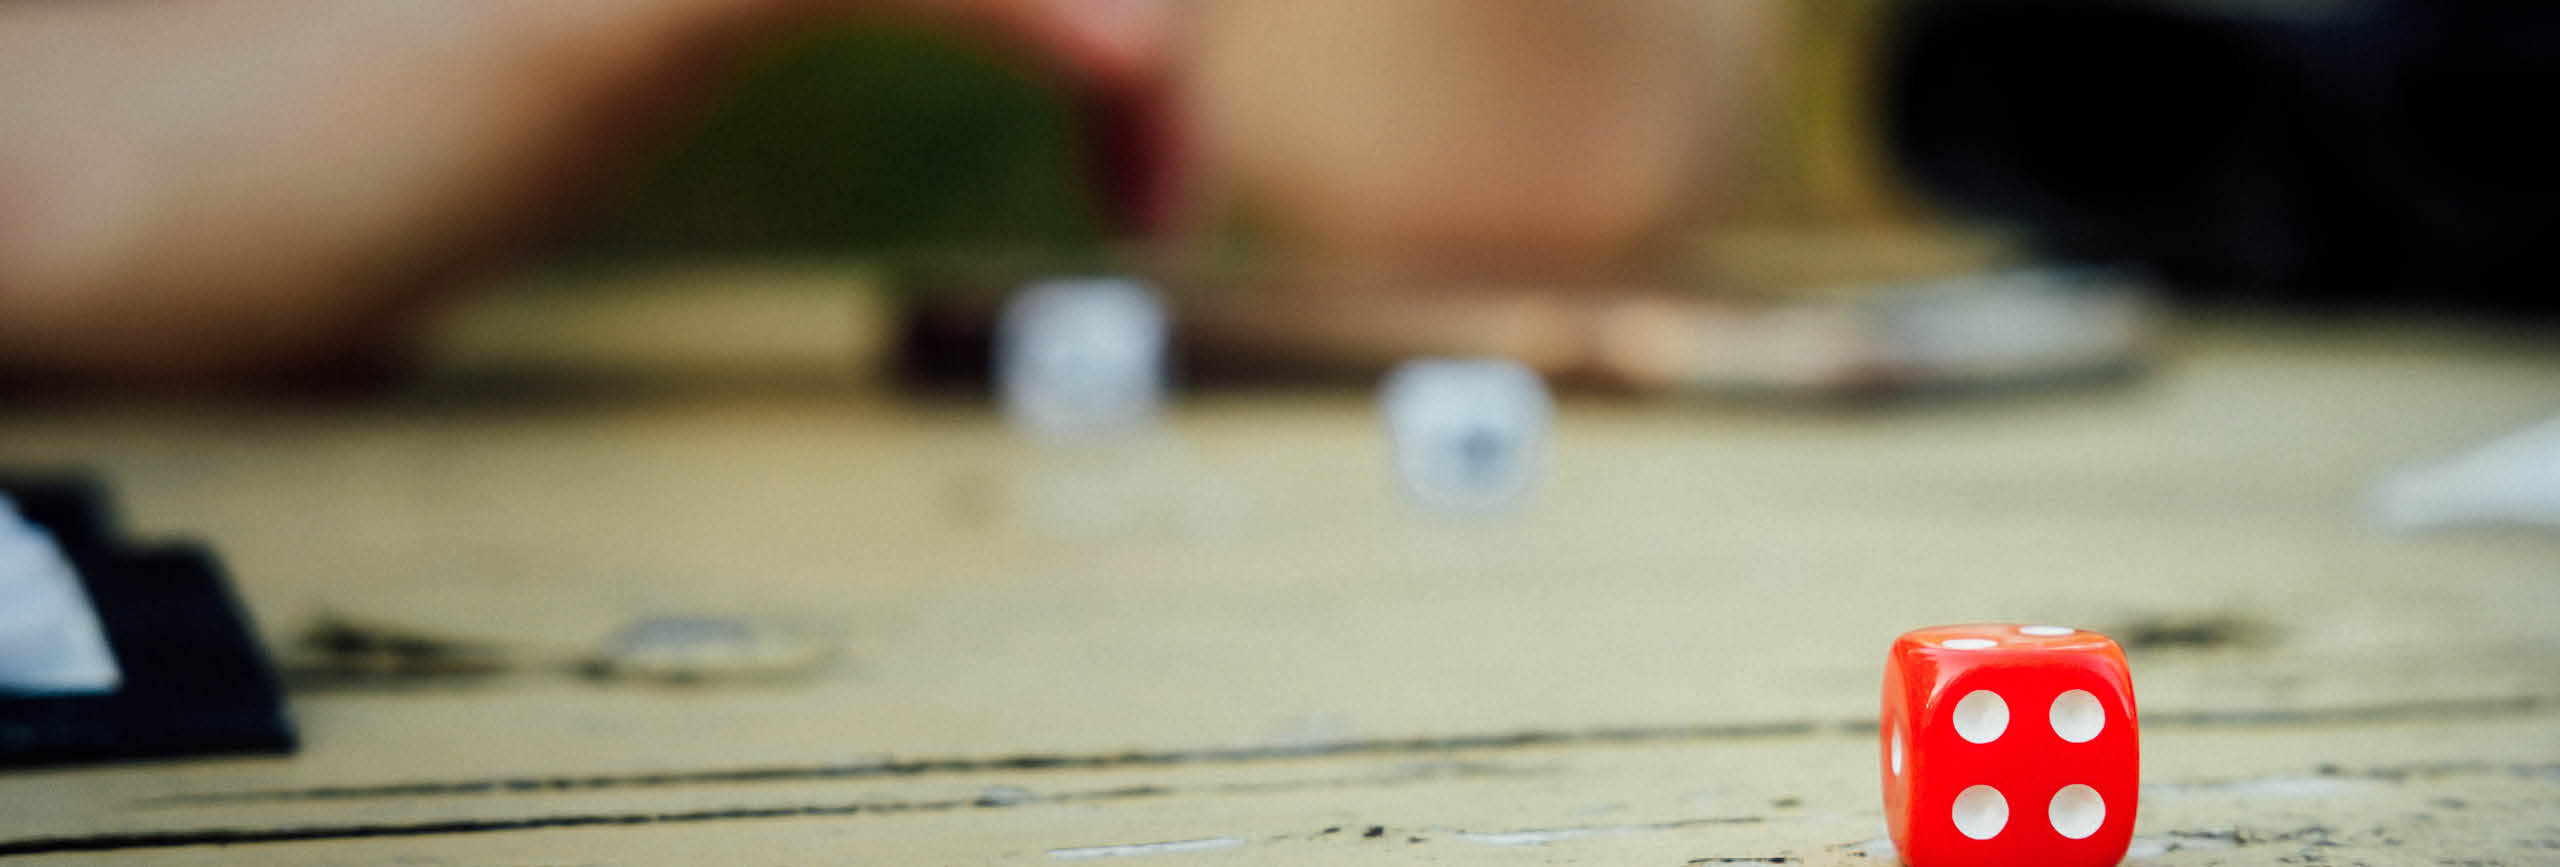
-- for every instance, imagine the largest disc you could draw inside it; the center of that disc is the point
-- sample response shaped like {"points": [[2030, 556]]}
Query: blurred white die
{"points": [[50, 640], [1078, 358], [1468, 435]]}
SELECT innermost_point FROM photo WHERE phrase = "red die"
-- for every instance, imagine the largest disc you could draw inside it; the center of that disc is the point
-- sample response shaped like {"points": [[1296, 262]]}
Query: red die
{"points": [[2009, 745]]}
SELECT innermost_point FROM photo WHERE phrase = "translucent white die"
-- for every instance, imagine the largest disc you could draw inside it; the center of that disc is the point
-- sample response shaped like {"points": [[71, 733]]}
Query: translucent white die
{"points": [[1082, 358], [1467, 434], [50, 640]]}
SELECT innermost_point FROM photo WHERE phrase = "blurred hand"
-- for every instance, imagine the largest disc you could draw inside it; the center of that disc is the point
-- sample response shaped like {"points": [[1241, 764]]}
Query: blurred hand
{"points": [[223, 188], [1481, 137]]}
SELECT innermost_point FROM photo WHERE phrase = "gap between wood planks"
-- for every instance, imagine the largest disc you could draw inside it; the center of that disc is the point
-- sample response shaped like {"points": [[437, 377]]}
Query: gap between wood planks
{"points": [[1001, 797], [2438, 710], [994, 798], [2444, 710]]}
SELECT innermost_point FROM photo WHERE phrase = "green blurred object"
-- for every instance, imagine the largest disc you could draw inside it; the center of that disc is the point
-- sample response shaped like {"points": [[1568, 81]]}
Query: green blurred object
{"points": [[902, 145]]}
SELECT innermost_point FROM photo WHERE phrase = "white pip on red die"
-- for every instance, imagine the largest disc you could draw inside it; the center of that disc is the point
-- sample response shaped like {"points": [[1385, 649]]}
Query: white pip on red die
{"points": [[2008, 745]]}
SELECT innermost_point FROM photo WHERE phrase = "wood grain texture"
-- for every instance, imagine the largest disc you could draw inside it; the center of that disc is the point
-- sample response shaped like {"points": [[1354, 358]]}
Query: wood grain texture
{"points": [[1238, 639]]}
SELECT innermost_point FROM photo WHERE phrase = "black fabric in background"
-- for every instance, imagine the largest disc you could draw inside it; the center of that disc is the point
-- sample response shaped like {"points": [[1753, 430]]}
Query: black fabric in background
{"points": [[2341, 155]]}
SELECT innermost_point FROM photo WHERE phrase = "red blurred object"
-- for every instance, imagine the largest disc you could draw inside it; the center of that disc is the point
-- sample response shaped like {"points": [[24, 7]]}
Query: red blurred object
{"points": [[2009, 745], [1141, 154]]}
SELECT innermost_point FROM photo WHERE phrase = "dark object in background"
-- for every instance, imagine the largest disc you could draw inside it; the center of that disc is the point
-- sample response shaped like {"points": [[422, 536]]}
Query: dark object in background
{"points": [[2337, 154], [194, 679], [336, 651], [884, 141]]}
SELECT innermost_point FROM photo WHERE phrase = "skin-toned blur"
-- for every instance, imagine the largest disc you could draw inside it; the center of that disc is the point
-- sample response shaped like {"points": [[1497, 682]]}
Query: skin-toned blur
{"points": [[206, 189], [1522, 134], [211, 188]]}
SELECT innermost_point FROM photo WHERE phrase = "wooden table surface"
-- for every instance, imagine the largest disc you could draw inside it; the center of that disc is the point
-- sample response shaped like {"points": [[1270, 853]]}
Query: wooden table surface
{"points": [[1236, 642]]}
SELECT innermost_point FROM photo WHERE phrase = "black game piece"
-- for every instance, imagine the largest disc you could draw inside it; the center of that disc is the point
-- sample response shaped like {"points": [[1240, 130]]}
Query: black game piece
{"points": [[194, 678]]}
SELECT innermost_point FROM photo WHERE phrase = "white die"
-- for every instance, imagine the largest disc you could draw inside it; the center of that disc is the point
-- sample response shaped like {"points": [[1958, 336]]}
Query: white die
{"points": [[1468, 435], [1078, 358], [50, 640]]}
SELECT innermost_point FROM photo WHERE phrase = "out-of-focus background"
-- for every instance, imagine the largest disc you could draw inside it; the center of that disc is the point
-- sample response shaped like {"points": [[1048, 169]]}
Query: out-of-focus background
{"points": [[1618, 172], [1441, 429]]}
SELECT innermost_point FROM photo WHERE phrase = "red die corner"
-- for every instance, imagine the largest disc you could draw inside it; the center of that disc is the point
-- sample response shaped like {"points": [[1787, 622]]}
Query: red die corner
{"points": [[2009, 745]]}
